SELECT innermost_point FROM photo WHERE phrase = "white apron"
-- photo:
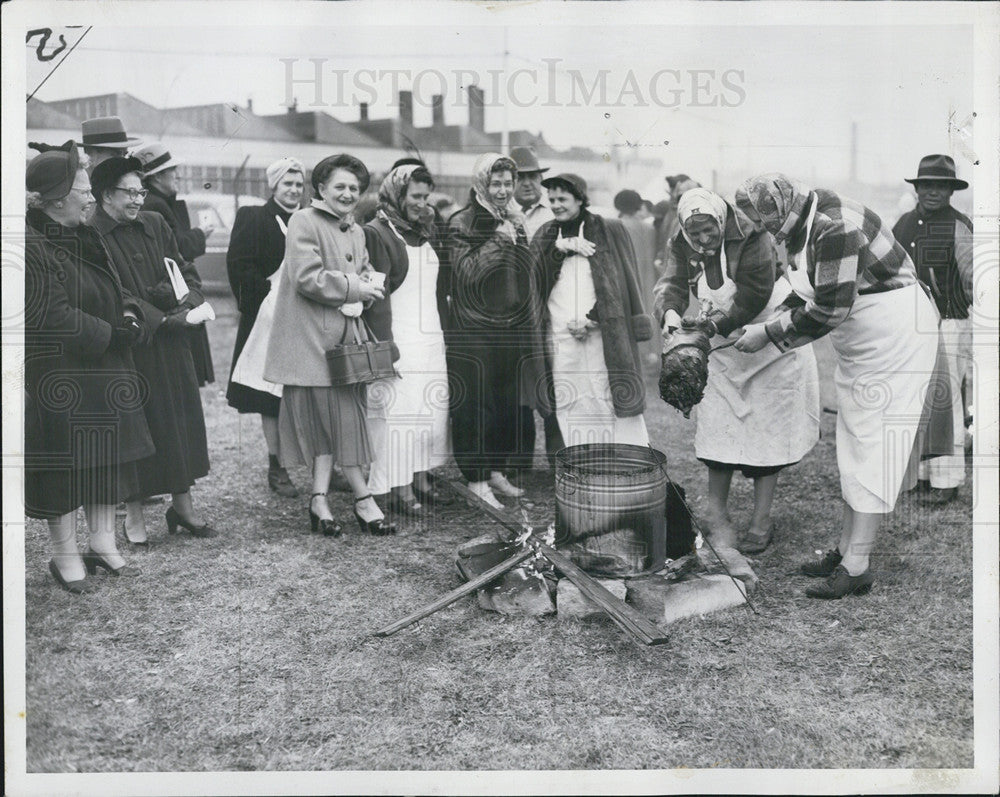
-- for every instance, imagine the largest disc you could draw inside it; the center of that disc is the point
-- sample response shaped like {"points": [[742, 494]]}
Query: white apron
{"points": [[885, 358], [759, 409], [408, 417], [249, 368], [584, 408]]}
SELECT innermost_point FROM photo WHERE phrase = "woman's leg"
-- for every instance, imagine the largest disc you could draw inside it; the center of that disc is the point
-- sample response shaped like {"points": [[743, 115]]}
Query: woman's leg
{"points": [[270, 427], [721, 527], [184, 506], [367, 508], [857, 540], [101, 520], [763, 498], [135, 523], [65, 553], [322, 470]]}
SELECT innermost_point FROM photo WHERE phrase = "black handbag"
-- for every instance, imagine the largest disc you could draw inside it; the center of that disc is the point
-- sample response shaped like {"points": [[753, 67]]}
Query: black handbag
{"points": [[364, 360]]}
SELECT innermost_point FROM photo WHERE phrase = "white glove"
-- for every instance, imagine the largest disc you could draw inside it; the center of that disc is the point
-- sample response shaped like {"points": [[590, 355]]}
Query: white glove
{"points": [[671, 321], [352, 310], [200, 314]]}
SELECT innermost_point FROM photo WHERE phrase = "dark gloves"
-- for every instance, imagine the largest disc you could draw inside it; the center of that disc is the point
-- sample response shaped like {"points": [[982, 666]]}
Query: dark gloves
{"points": [[176, 320], [161, 296], [125, 335]]}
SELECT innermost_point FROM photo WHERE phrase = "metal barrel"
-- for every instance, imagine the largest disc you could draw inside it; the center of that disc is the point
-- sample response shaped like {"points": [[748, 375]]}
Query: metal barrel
{"points": [[611, 507]]}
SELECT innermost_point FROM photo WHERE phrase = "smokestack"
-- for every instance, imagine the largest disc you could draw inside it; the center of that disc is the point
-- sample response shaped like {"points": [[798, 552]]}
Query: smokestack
{"points": [[250, 104], [437, 110], [363, 108], [406, 106], [477, 114]]}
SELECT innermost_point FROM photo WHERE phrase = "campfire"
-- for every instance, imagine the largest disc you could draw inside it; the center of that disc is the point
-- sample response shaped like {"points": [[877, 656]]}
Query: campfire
{"points": [[524, 570]]}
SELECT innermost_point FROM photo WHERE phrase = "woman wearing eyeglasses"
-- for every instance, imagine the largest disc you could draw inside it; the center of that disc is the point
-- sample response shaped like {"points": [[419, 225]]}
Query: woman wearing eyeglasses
{"points": [[141, 244], [83, 418]]}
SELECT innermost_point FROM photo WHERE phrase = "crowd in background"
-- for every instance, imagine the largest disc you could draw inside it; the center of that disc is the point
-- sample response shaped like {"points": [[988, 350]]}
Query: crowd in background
{"points": [[521, 301]]}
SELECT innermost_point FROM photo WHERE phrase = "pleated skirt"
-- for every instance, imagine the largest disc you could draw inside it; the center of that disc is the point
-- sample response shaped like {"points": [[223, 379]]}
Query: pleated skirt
{"points": [[315, 421]]}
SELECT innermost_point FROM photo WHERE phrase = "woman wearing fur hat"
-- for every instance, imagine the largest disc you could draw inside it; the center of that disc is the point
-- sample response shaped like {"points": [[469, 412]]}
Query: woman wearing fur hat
{"points": [[256, 249], [142, 247], [84, 420]]}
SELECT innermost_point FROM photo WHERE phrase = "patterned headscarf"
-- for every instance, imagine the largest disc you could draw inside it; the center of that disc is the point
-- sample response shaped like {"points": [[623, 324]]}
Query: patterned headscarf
{"points": [[390, 202], [778, 200], [280, 168], [508, 215], [701, 201]]}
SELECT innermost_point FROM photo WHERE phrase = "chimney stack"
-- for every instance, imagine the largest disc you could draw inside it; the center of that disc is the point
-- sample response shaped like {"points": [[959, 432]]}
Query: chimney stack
{"points": [[363, 109], [437, 111], [250, 104], [477, 114], [406, 107]]}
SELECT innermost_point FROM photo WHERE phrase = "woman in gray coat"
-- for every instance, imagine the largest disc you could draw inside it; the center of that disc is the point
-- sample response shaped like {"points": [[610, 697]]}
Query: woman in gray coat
{"points": [[325, 281]]}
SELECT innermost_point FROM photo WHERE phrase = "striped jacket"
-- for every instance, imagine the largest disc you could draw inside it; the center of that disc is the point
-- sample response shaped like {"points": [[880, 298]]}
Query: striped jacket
{"points": [[850, 252]]}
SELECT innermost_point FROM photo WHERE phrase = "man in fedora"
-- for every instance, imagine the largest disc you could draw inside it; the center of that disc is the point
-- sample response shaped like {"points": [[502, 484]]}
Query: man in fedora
{"points": [[159, 176], [530, 196], [104, 138], [528, 192], [939, 241]]}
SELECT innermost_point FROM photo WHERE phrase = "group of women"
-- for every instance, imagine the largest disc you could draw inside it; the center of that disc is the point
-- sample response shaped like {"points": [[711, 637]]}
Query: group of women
{"points": [[476, 312]]}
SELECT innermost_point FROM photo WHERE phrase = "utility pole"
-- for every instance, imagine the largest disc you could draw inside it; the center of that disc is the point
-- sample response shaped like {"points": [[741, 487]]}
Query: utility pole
{"points": [[505, 131], [854, 152]]}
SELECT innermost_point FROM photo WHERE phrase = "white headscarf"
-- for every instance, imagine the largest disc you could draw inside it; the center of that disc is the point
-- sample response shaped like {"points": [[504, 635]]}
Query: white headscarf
{"points": [[280, 168], [701, 201], [508, 215]]}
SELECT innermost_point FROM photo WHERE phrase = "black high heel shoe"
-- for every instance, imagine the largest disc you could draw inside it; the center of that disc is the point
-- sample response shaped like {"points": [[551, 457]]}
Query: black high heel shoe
{"points": [[379, 526], [174, 520], [330, 528], [93, 560], [144, 545], [81, 587]]}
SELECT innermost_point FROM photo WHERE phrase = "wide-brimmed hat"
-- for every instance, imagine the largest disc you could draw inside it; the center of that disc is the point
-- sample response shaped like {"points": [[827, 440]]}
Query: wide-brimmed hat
{"points": [[573, 183], [52, 173], [155, 158], [940, 168], [526, 160], [106, 131]]}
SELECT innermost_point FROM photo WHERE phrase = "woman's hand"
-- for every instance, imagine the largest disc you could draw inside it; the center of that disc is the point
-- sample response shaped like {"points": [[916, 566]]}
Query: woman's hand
{"points": [[580, 245], [754, 338], [370, 291]]}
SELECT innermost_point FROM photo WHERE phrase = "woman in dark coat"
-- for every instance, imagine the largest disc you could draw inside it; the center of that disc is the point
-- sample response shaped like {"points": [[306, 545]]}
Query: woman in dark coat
{"points": [[488, 330], [84, 423], [256, 249], [140, 245], [590, 319], [159, 170]]}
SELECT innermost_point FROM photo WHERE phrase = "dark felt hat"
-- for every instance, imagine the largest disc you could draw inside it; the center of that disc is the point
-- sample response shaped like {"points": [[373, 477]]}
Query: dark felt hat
{"points": [[573, 183], [106, 131], [526, 160], [940, 168], [107, 173], [52, 173]]}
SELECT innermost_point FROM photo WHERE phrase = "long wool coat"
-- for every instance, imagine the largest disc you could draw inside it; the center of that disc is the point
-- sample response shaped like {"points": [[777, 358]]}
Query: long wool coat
{"points": [[256, 249], [83, 403], [191, 244], [173, 409], [325, 259]]}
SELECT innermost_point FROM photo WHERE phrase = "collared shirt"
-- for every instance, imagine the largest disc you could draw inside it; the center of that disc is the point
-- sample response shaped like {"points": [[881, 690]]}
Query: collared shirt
{"points": [[850, 251], [536, 216], [940, 245]]}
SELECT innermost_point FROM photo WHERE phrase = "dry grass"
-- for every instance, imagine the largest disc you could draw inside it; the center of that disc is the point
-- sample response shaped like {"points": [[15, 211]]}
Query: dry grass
{"points": [[250, 651]]}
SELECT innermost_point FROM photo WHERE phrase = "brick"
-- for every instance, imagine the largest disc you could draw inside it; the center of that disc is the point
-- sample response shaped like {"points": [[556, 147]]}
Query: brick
{"points": [[518, 593], [573, 604], [666, 602], [735, 561]]}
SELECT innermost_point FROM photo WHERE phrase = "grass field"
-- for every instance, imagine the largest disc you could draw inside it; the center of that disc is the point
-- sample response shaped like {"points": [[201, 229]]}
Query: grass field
{"points": [[249, 651]]}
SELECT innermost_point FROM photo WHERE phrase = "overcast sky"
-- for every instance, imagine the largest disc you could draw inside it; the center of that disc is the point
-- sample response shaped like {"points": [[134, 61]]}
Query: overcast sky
{"points": [[784, 97]]}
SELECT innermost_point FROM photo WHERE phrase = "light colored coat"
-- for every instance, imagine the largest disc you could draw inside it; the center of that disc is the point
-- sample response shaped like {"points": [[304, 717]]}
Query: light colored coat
{"points": [[325, 259]]}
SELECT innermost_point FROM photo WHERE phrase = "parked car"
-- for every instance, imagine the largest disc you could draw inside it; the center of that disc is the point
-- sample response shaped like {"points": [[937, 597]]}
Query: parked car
{"points": [[220, 211]]}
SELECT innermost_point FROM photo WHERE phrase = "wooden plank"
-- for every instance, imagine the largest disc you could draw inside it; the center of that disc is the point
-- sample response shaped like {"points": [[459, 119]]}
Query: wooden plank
{"points": [[625, 616], [448, 598]]}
